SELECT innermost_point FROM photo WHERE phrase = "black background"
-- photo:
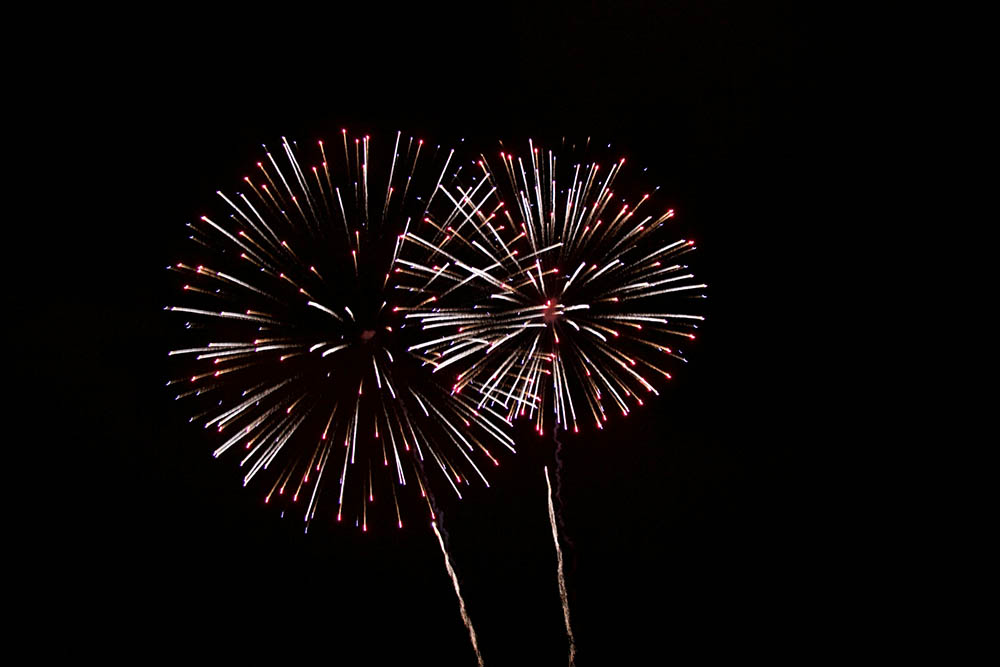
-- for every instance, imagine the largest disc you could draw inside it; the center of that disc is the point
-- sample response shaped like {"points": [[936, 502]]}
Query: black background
{"points": [[691, 522]]}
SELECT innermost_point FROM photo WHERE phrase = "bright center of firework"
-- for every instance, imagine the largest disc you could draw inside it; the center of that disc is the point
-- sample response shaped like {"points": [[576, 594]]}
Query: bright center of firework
{"points": [[551, 313], [367, 334]]}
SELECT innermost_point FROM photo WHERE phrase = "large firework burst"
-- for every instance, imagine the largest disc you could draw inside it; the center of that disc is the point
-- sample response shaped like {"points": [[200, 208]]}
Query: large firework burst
{"points": [[298, 360], [556, 294]]}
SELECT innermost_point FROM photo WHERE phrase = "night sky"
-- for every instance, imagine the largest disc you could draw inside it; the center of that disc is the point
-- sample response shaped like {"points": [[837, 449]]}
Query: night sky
{"points": [[689, 520]]}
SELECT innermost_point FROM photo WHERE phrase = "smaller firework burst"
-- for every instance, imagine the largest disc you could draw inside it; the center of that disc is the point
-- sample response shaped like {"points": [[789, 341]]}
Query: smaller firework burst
{"points": [[553, 293]]}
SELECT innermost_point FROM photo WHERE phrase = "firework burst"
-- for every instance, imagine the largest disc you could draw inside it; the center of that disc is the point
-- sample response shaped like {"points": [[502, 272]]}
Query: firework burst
{"points": [[572, 299], [298, 359]]}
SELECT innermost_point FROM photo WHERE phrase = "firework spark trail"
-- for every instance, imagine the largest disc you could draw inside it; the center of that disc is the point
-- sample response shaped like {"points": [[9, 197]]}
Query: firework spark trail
{"points": [[559, 570], [458, 593]]}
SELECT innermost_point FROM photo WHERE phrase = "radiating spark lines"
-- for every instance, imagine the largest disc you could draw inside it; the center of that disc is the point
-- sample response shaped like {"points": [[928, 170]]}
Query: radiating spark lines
{"points": [[547, 293], [296, 348]]}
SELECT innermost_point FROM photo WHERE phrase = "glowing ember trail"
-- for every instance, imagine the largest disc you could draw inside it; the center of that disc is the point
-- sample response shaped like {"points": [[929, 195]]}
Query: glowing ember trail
{"points": [[458, 593], [559, 569]]}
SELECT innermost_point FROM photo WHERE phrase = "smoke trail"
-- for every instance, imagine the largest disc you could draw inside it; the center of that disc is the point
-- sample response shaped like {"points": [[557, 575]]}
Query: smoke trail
{"points": [[559, 569], [557, 488], [458, 592]]}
